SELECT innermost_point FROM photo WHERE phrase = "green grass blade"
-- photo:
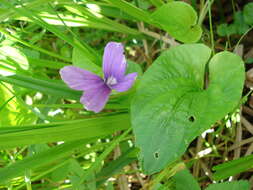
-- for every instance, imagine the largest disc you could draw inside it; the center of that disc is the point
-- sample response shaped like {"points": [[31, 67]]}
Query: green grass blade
{"points": [[132, 10], [90, 53], [39, 160], [109, 10], [9, 13], [16, 39], [46, 63], [98, 18], [55, 88], [233, 167], [116, 166], [62, 131], [157, 3]]}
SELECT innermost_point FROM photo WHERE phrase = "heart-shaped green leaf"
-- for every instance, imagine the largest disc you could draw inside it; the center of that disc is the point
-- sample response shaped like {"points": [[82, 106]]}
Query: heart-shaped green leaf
{"points": [[179, 19], [171, 106], [248, 13]]}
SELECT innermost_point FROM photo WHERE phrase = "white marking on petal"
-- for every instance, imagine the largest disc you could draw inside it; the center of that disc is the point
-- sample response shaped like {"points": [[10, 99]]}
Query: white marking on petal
{"points": [[111, 81]]}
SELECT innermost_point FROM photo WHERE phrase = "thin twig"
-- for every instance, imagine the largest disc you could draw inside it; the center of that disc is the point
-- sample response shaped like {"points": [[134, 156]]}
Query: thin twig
{"points": [[211, 25], [251, 182], [241, 143], [247, 110], [250, 150], [247, 124], [122, 179], [141, 27], [170, 41], [237, 151], [196, 166], [239, 50], [145, 44], [138, 175], [238, 139], [206, 169]]}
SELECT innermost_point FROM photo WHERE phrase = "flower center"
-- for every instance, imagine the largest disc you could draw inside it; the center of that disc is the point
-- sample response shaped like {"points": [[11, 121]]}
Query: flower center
{"points": [[111, 81]]}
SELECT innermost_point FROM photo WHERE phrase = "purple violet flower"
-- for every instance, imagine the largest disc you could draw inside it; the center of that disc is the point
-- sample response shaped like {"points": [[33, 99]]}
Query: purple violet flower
{"points": [[97, 90]]}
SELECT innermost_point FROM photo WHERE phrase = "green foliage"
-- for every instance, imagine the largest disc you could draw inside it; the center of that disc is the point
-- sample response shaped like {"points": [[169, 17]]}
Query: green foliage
{"points": [[235, 185], [12, 112], [239, 26], [170, 103], [184, 180], [115, 166], [182, 22], [80, 59], [133, 67], [226, 30], [248, 13], [157, 3], [61, 172], [241, 23], [132, 10], [55, 88], [233, 167], [60, 131], [38, 160], [249, 60], [11, 57]]}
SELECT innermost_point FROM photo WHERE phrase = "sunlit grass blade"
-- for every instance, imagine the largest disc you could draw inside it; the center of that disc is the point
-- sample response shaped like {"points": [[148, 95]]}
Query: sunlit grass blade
{"points": [[108, 10], [6, 14], [16, 39], [73, 41], [55, 88], [72, 21], [63, 131], [132, 10], [97, 18]]}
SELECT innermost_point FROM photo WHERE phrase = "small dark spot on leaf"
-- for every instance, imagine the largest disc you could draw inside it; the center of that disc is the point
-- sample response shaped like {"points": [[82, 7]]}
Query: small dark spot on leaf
{"points": [[156, 155], [191, 118]]}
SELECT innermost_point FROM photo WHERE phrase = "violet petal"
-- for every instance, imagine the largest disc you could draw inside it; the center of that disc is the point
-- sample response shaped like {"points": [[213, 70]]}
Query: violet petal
{"points": [[114, 62], [95, 99], [80, 79], [125, 83]]}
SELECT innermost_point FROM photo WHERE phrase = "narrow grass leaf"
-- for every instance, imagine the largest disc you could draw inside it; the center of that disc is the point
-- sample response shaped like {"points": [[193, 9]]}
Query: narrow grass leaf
{"points": [[132, 10], [62, 131], [157, 3], [49, 87], [116, 166], [16, 39], [38, 160], [233, 167], [233, 185], [73, 42]]}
